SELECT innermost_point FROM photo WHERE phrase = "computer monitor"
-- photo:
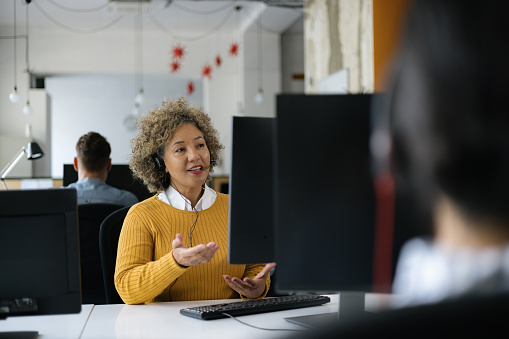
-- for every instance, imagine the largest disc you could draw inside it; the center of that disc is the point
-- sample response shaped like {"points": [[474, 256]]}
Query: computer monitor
{"points": [[324, 196], [251, 231], [39, 252], [119, 176]]}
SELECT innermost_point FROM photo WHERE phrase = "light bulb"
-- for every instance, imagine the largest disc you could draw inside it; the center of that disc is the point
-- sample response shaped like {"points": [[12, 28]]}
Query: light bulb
{"points": [[259, 97], [140, 97], [14, 96], [240, 109], [27, 110], [136, 110]]}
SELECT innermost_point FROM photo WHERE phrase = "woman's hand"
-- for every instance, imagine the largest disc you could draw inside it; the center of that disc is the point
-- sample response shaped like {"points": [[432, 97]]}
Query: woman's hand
{"points": [[196, 255], [250, 288]]}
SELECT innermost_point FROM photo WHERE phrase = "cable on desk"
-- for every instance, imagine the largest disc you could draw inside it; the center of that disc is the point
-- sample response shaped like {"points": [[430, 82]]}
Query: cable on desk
{"points": [[261, 328]]}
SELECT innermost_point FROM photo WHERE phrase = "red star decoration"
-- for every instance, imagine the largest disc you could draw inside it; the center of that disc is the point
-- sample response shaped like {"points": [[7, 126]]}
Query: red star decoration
{"points": [[234, 49], [218, 61], [206, 71], [174, 66], [178, 52], [190, 88]]}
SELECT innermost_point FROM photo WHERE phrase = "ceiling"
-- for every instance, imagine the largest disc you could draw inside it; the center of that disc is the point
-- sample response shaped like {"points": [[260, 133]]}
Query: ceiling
{"points": [[186, 20]]}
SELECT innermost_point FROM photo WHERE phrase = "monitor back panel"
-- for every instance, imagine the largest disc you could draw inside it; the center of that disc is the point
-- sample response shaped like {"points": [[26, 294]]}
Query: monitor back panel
{"points": [[251, 232], [324, 195]]}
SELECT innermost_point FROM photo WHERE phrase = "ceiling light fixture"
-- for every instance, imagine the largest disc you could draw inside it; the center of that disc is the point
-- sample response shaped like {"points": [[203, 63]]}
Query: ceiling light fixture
{"points": [[27, 110], [14, 95], [259, 97]]}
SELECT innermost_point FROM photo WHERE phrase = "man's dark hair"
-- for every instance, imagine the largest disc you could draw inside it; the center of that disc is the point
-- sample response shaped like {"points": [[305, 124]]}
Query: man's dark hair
{"points": [[93, 151]]}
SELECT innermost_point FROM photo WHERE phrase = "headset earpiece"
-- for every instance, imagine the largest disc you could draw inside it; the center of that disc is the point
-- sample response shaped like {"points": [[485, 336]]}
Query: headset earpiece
{"points": [[158, 162], [212, 163]]}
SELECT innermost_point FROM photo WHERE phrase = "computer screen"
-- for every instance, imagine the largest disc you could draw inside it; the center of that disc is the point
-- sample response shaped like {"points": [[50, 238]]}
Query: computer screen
{"points": [[251, 230], [119, 176], [39, 252]]}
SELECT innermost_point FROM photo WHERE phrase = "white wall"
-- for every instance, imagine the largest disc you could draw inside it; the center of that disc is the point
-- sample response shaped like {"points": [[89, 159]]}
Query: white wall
{"points": [[58, 53], [100, 103]]}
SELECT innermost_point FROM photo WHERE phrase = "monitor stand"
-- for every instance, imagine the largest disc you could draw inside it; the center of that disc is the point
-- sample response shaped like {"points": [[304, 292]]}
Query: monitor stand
{"points": [[351, 306]]}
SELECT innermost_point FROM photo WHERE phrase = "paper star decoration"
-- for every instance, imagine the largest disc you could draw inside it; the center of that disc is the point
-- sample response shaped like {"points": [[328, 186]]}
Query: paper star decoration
{"points": [[190, 88], [218, 61], [234, 49], [174, 66], [206, 71], [178, 52]]}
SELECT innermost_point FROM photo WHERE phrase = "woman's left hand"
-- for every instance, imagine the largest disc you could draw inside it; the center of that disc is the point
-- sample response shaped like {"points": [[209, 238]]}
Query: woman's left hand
{"points": [[250, 288]]}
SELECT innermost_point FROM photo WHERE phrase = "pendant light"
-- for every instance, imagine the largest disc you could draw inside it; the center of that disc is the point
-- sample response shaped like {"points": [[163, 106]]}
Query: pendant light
{"points": [[27, 110], [14, 95], [260, 97]]}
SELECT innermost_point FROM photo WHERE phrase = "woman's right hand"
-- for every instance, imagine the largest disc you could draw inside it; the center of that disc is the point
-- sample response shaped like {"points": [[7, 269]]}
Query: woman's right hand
{"points": [[199, 254]]}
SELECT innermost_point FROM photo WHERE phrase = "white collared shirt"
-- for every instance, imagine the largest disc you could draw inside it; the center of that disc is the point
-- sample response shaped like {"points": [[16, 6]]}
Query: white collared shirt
{"points": [[172, 197]]}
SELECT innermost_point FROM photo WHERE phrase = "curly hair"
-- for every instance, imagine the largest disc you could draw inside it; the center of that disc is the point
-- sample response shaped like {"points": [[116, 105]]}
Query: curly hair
{"points": [[155, 128]]}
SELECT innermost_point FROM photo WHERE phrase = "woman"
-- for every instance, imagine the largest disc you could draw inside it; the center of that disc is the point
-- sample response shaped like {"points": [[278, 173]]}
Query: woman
{"points": [[173, 246]]}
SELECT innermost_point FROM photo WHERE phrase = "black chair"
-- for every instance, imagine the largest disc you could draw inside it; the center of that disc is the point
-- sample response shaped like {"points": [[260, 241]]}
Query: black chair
{"points": [[90, 217], [108, 244]]}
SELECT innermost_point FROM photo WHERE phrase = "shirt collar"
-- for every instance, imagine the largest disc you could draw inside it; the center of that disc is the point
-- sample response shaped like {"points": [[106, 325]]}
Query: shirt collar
{"points": [[172, 197]]}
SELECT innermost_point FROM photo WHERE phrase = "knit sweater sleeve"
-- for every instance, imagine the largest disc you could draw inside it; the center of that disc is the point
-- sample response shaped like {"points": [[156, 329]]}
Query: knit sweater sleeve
{"points": [[138, 277]]}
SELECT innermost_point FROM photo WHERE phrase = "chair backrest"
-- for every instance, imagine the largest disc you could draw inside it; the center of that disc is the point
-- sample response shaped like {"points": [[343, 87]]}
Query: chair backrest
{"points": [[108, 244], [90, 217]]}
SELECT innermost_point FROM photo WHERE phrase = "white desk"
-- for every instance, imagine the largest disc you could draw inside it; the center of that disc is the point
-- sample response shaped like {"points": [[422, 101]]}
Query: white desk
{"points": [[66, 326], [163, 320]]}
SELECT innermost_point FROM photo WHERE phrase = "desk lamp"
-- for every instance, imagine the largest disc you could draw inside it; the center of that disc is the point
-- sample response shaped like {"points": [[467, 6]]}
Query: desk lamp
{"points": [[32, 150]]}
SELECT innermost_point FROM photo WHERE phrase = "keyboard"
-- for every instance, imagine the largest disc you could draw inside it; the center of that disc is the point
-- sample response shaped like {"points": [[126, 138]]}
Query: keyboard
{"points": [[246, 307]]}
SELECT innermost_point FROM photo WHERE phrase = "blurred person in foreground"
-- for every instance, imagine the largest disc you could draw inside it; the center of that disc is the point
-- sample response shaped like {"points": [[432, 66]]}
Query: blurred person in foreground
{"points": [[449, 115]]}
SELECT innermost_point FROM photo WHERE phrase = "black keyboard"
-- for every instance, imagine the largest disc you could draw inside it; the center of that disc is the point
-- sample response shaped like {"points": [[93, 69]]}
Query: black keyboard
{"points": [[254, 306]]}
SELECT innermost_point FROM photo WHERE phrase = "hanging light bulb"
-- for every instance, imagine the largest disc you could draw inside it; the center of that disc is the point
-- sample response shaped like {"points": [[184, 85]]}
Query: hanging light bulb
{"points": [[259, 97], [27, 110], [140, 98], [240, 109], [14, 95]]}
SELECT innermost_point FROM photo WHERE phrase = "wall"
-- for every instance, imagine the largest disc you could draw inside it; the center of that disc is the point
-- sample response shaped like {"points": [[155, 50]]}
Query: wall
{"points": [[338, 34], [58, 53], [387, 22]]}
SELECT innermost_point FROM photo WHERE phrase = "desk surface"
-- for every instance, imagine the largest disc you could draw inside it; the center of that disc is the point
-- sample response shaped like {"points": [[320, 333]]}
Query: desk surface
{"points": [[50, 326], [163, 320]]}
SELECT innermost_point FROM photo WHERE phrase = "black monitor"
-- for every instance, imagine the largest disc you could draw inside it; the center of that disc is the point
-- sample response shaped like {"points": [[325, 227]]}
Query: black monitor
{"points": [[39, 252], [251, 231], [324, 196], [120, 176]]}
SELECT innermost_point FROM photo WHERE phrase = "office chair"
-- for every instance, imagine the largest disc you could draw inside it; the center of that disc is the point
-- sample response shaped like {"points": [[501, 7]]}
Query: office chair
{"points": [[108, 243], [90, 217]]}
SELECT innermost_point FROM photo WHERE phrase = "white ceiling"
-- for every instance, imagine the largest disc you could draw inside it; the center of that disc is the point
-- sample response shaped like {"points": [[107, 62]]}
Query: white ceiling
{"points": [[187, 20]]}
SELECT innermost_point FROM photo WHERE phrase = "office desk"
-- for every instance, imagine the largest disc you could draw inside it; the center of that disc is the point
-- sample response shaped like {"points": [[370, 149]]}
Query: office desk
{"points": [[66, 326], [163, 320]]}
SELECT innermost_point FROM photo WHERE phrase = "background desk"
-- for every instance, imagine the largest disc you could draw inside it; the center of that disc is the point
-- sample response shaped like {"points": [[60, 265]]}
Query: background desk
{"points": [[50, 326]]}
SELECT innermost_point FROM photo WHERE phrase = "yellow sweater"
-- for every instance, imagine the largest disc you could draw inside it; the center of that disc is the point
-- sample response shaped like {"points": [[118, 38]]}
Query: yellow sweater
{"points": [[146, 270]]}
